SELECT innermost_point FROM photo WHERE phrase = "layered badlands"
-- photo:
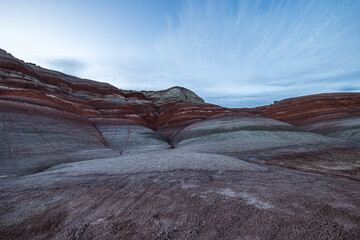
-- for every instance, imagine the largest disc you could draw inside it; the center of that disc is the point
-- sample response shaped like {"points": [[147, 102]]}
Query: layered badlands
{"points": [[81, 159]]}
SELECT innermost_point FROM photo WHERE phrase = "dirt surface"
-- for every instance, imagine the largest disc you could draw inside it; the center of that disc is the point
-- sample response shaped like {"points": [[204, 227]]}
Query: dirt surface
{"points": [[249, 202]]}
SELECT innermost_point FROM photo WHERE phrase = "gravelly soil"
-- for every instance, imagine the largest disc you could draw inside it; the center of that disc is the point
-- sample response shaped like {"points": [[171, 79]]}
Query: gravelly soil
{"points": [[249, 203]]}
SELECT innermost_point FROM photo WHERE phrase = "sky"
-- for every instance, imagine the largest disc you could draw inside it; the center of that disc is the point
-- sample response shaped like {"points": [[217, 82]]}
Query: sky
{"points": [[241, 53]]}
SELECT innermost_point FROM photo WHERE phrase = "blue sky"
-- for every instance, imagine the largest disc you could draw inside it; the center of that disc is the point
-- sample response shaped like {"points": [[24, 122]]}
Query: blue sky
{"points": [[231, 53]]}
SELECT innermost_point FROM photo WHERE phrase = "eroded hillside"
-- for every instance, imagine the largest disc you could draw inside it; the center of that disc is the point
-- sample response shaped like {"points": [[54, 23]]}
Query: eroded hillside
{"points": [[81, 159]]}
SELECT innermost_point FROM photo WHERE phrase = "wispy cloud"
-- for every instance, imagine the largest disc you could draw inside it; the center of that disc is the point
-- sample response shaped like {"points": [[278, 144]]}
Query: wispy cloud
{"points": [[232, 53], [69, 66], [248, 49]]}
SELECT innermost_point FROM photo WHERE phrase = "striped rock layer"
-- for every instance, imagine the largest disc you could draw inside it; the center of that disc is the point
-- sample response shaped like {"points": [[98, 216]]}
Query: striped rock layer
{"points": [[49, 118]]}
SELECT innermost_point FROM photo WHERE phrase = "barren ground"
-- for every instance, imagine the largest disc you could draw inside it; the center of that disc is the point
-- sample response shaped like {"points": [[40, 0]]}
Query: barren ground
{"points": [[178, 195]]}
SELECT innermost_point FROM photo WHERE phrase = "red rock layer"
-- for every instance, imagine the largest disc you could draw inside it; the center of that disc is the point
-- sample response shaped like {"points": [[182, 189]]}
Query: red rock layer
{"points": [[56, 79], [113, 110], [175, 116], [315, 108]]}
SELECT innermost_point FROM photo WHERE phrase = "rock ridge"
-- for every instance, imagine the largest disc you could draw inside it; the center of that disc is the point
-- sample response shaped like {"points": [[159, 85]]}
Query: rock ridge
{"points": [[87, 119]]}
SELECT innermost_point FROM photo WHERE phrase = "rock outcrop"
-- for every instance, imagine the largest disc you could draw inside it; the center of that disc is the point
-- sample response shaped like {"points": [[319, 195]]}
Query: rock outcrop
{"points": [[174, 93], [331, 114]]}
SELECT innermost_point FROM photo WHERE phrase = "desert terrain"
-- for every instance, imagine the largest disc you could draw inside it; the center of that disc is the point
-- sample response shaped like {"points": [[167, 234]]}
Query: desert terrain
{"points": [[81, 159]]}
